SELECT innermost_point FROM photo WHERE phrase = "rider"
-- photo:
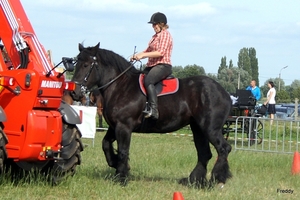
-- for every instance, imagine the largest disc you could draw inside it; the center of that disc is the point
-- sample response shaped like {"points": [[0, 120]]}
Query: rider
{"points": [[159, 66]]}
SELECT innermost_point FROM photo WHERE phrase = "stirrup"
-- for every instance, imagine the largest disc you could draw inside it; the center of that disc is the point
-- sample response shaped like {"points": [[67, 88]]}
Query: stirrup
{"points": [[147, 111]]}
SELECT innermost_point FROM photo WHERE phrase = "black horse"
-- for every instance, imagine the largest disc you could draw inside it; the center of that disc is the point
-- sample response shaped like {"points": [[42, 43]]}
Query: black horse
{"points": [[200, 102]]}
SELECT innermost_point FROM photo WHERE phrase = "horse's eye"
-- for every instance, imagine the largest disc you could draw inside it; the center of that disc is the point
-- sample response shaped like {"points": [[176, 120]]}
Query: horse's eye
{"points": [[82, 64], [86, 64]]}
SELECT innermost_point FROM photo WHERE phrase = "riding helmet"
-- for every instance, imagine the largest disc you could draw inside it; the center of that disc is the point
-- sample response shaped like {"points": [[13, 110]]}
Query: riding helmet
{"points": [[158, 18]]}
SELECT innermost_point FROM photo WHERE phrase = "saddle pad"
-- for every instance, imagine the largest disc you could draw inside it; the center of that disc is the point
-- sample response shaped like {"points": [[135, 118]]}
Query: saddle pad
{"points": [[164, 87]]}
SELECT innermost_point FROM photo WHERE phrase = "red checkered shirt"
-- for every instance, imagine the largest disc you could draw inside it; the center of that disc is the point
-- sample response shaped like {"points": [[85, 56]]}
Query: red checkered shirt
{"points": [[163, 43]]}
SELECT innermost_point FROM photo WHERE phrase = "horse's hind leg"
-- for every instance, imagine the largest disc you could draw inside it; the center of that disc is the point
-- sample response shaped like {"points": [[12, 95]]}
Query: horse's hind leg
{"points": [[107, 146], [220, 172], [198, 175]]}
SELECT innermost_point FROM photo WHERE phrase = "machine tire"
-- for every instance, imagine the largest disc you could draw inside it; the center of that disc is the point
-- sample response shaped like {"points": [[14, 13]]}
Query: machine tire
{"points": [[3, 152], [55, 170], [70, 155]]}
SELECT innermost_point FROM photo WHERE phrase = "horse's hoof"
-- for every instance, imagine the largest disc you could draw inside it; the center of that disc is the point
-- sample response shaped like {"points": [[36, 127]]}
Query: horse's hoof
{"points": [[122, 180], [221, 185], [195, 184]]}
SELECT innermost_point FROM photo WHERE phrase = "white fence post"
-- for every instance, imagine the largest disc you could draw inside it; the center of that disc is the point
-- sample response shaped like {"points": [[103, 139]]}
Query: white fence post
{"points": [[296, 108]]}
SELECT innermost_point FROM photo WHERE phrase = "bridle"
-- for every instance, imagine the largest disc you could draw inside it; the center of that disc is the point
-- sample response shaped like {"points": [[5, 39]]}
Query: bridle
{"points": [[93, 65], [83, 87]]}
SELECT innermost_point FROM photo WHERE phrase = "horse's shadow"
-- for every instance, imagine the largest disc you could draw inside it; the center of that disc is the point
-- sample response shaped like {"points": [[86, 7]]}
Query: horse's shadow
{"points": [[108, 174]]}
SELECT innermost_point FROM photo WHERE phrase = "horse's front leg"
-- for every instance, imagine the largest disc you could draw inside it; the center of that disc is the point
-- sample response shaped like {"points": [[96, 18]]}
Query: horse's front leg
{"points": [[123, 136], [107, 146], [100, 120]]}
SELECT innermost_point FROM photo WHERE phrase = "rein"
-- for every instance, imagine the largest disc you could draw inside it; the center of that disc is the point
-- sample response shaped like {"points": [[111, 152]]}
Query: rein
{"points": [[83, 86], [113, 80]]}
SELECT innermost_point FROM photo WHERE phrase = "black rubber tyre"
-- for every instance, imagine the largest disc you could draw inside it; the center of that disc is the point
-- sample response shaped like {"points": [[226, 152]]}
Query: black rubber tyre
{"points": [[226, 130], [3, 152], [70, 155], [256, 133]]}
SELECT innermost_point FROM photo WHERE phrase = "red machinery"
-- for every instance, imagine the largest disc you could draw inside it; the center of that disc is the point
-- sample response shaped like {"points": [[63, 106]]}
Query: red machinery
{"points": [[37, 128]]}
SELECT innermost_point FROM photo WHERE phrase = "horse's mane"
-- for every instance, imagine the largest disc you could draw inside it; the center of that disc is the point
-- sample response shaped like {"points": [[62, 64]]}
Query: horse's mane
{"points": [[110, 58]]}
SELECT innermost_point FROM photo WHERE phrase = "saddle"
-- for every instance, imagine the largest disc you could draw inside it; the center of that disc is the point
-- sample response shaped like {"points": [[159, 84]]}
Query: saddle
{"points": [[170, 85]]}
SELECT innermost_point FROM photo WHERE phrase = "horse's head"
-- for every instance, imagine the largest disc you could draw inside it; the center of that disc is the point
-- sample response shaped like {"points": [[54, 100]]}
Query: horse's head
{"points": [[86, 72], [99, 67]]}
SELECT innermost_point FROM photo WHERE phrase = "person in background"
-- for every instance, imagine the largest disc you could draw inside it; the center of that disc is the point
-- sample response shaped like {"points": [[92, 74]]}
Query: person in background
{"points": [[159, 66], [271, 100], [254, 89]]}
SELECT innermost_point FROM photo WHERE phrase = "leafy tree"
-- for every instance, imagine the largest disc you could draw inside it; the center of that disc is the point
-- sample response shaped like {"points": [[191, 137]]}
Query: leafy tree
{"points": [[226, 78], [244, 61], [213, 76], [176, 70], [199, 70], [282, 96], [233, 78], [253, 64], [191, 70], [230, 64], [247, 61], [243, 78], [294, 86], [223, 65], [296, 93]]}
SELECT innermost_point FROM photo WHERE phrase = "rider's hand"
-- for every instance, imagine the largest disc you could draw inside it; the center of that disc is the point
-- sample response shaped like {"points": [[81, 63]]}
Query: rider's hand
{"points": [[133, 58], [137, 56]]}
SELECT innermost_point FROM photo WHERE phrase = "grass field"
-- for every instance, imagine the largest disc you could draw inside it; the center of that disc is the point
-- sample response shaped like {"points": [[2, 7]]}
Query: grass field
{"points": [[157, 163]]}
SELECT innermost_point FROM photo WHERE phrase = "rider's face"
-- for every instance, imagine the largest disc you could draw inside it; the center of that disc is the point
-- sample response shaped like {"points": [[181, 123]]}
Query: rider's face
{"points": [[156, 28]]}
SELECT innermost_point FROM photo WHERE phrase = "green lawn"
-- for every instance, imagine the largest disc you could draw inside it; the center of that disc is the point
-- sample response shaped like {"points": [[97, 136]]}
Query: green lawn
{"points": [[157, 163]]}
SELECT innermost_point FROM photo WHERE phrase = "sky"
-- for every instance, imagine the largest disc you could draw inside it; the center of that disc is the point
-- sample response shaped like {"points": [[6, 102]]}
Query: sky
{"points": [[203, 31]]}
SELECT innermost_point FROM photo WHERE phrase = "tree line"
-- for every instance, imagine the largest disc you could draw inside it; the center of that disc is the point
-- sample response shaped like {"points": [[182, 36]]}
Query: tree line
{"points": [[233, 77]]}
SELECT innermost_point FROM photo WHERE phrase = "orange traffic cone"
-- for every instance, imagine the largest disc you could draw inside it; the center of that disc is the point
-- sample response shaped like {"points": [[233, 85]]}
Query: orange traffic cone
{"points": [[177, 196], [296, 163]]}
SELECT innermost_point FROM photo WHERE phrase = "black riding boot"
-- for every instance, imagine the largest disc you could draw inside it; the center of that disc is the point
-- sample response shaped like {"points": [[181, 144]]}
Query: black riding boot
{"points": [[152, 101]]}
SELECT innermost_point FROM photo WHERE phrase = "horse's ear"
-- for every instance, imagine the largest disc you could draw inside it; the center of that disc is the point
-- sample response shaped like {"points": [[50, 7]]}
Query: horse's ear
{"points": [[95, 49], [80, 47]]}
